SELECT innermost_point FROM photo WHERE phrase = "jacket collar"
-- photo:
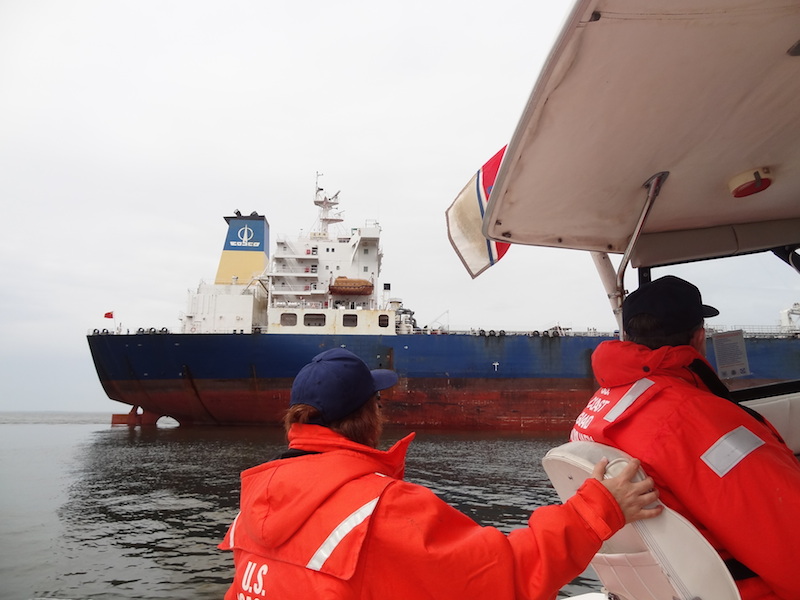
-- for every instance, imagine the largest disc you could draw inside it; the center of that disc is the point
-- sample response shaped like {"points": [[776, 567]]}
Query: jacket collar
{"points": [[621, 363], [317, 438]]}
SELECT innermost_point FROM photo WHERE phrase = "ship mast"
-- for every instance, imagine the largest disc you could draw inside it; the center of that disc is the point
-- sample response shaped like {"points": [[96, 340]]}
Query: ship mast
{"points": [[326, 217]]}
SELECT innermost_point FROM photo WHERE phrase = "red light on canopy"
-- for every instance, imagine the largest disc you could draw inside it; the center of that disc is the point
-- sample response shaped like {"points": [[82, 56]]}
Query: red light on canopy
{"points": [[750, 183]]}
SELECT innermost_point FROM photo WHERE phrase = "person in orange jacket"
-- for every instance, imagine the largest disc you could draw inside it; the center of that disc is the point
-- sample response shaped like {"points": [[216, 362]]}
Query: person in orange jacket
{"points": [[332, 517], [719, 464]]}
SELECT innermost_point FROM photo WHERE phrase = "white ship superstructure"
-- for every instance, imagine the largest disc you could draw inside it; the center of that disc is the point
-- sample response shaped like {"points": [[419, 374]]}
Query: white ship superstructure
{"points": [[325, 281]]}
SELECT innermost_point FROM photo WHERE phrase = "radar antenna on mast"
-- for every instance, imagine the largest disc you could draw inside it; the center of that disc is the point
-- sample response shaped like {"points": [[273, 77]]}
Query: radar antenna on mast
{"points": [[326, 216]]}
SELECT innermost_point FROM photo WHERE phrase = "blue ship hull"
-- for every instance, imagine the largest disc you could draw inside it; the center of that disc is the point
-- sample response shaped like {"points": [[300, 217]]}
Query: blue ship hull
{"points": [[511, 382]]}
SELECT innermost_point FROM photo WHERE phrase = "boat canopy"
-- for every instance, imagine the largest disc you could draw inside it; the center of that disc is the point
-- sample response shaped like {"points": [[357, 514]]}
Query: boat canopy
{"points": [[687, 145]]}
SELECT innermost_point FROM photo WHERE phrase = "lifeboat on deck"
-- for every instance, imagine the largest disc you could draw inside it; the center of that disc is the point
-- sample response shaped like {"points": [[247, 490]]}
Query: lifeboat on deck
{"points": [[344, 286]]}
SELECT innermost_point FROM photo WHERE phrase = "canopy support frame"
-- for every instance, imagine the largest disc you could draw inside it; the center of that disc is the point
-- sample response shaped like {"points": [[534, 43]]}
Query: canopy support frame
{"points": [[613, 282]]}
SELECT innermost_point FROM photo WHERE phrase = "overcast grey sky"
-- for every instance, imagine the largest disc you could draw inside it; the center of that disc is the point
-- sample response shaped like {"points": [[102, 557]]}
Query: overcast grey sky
{"points": [[129, 128]]}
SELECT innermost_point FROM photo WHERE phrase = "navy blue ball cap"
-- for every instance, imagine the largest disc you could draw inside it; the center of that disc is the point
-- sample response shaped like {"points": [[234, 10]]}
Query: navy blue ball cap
{"points": [[337, 382], [674, 302]]}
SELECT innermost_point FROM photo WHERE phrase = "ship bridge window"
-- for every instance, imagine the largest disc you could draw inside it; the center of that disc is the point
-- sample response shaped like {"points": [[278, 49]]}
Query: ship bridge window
{"points": [[383, 320], [366, 269], [314, 320], [350, 320], [288, 319], [366, 250]]}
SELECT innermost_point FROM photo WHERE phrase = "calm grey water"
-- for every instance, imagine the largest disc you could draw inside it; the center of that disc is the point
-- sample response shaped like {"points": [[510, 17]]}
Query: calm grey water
{"points": [[93, 511]]}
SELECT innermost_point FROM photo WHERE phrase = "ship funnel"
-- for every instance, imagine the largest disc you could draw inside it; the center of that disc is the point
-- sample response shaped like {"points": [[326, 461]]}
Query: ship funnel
{"points": [[246, 251]]}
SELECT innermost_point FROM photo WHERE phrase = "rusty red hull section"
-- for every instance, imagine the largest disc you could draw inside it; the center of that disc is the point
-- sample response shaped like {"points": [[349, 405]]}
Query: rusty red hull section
{"points": [[474, 404]]}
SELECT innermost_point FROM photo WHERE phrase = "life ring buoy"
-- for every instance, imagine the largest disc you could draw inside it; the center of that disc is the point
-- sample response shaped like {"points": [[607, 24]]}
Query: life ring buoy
{"points": [[193, 329]]}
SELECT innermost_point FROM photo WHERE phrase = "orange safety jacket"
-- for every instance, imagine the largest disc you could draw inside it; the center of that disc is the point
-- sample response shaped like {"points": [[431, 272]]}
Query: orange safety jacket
{"points": [[727, 472], [341, 523]]}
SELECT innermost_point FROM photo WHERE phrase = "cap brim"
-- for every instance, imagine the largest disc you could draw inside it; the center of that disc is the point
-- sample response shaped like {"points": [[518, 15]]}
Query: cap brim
{"points": [[383, 378], [709, 311]]}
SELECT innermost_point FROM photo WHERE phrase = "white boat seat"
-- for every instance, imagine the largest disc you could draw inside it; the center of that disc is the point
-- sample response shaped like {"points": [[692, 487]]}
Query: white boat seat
{"points": [[665, 558], [783, 412]]}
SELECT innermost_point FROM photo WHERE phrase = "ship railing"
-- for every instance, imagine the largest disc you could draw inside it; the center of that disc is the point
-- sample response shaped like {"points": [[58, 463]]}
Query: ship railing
{"points": [[749, 331], [287, 254], [295, 270], [278, 290], [254, 287], [297, 304], [119, 330], [755, 331], [286, 248], [520, 333]]}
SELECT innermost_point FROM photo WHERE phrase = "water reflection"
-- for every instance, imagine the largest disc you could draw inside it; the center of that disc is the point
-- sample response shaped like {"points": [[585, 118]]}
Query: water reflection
{"points": [[146, 508], [496, 480]]}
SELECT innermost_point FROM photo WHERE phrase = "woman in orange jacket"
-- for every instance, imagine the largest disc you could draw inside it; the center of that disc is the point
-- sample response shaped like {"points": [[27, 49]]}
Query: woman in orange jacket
{"points": [[333, 518]]}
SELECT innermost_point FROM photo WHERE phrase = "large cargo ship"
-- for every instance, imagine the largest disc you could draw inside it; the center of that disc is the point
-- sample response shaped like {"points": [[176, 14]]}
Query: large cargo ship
{"points": [[243, 338]]}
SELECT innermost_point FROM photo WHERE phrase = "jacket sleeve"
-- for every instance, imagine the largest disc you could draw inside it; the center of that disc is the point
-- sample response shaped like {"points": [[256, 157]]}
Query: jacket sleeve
{"points": [[424, 548], [561, 540]]}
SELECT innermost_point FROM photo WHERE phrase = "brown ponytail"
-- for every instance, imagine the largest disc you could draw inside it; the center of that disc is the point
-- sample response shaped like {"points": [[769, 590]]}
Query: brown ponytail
{"points": [[363, 426]]}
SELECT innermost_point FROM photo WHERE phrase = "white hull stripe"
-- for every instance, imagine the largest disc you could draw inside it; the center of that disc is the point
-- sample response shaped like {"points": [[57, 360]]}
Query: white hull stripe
{"points": [[636, 390], [339, 533], [729, 450]]}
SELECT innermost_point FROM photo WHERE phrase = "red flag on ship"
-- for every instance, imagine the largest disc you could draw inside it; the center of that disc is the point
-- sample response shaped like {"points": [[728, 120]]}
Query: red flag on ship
{"points": [[109, 315], [465, 219]]}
